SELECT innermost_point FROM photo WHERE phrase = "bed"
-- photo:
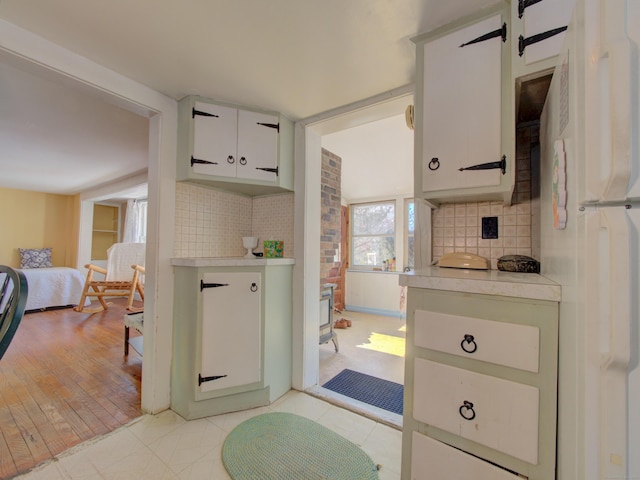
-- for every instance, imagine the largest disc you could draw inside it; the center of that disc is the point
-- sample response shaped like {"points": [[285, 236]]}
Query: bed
{"points": [[53, 287]]}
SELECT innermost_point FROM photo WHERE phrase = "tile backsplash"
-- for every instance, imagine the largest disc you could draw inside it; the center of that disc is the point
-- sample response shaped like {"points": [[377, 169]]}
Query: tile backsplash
{"points": [[458, 227], [211, 223]]}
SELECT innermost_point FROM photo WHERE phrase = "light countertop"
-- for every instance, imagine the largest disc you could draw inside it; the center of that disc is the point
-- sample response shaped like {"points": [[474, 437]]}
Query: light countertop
{"points": [[488, 282], [229, 261]]}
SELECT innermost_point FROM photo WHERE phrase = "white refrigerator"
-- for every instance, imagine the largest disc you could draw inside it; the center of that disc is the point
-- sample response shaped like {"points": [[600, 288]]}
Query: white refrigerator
{"points": [[590, 238]]}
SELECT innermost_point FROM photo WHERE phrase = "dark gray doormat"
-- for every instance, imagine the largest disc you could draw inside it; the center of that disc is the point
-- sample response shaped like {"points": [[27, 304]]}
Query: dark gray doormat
{"points": [[365, 388]]}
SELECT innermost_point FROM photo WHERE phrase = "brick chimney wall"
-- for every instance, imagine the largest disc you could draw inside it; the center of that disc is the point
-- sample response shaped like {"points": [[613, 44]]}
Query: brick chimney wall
{"points": [[330, 228]]}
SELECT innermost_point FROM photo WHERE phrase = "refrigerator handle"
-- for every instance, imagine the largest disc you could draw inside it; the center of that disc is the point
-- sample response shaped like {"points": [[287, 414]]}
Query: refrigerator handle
{"points": [[618, 91], [616, 345], [617, 352]]}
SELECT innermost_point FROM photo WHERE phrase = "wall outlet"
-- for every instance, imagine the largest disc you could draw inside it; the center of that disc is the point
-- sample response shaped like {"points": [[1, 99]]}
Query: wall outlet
{"points": [[489, 227]]}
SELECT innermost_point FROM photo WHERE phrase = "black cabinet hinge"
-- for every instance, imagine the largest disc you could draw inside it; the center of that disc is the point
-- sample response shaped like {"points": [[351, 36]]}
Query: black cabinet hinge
{"points": [[211, 285], [195, 112], [202, 162], [500, 32], [275, 126], [202, 379], [523, 4], [523, 43], [501, 164], [266, 169]]}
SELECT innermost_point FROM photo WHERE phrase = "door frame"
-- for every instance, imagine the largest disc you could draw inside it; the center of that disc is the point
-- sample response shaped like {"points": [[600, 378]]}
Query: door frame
{"points": [[29, 52], [306, 272]]}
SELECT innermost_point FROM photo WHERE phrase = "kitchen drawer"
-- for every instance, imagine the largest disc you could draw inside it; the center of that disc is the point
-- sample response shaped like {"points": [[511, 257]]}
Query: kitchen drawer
{"points": [[497, 413], [433, 460], [501, 343]]}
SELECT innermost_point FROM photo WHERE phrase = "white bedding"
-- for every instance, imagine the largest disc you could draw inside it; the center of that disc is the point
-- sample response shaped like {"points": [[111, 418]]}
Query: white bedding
{"points": [[53, 287]]}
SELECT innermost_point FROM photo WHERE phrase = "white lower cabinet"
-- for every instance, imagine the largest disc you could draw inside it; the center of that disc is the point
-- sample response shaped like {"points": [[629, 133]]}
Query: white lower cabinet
{"points": [[231, 337], [231, 330], [433, 460], [480, 386]]}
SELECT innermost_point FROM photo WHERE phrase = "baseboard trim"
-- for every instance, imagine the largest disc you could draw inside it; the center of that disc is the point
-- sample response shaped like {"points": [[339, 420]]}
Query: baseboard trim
{"points": [[375, 311]]}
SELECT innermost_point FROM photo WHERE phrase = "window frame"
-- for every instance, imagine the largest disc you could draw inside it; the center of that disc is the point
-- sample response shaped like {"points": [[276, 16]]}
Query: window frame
{"points": [[407, 234], [352, 236]]}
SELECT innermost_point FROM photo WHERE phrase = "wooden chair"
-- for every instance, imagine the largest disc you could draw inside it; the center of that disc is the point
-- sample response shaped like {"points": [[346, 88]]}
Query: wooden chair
{"points": [[13, 300], [119, 279]]}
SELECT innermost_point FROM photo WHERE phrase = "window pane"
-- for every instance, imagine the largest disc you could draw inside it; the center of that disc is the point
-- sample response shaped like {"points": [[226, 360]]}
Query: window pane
{"points": [[409, 239], [411, 223], [372, 250], [411, 252], [374, 219]]}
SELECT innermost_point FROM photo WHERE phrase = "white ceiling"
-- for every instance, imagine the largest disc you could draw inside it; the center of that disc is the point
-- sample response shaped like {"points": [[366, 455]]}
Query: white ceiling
{"points": [[299, 57]]}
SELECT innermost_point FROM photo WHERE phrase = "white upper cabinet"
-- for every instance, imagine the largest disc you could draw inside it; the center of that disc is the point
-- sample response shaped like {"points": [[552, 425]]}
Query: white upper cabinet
{"points": [[538, 28], [233, 148], [215, 139], [463, 149]]}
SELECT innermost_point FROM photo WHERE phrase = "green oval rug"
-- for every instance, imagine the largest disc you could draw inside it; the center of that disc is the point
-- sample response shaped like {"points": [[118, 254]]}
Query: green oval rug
{"points": [[284, 446]]}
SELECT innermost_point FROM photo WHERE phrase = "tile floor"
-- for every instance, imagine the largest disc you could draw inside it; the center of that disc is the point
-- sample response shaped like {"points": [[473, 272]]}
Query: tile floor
{"points": [[167, 447], [373, 345]]}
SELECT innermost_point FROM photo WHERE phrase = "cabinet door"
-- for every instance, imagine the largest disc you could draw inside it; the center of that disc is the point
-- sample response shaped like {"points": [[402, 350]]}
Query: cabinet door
{"points": [[545, 16], [231, 332], [257, 145], [215, 140], [461, 108]]}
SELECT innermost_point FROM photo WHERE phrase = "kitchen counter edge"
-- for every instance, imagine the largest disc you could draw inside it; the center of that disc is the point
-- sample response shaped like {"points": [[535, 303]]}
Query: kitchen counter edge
{"points": [[229, 262], [488, 282]]}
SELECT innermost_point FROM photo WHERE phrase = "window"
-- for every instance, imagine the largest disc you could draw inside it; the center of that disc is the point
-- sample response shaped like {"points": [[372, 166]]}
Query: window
{"points": [[372, 234], [410, 224], [135, 223]]}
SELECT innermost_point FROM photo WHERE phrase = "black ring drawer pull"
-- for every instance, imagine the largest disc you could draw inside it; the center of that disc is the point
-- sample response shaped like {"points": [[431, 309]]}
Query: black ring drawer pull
{"points": [[243, 161], [434, 164], [230, 159], [466, 411], [468, 340], [254, 287]]}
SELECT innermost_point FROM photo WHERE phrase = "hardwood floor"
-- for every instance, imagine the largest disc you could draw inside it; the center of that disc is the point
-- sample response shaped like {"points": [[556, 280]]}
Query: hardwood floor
{"points": [[64, 380]]}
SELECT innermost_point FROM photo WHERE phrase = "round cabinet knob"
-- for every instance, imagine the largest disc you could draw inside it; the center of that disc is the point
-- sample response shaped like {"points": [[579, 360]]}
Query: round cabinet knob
{"points": [[466, 411], [468, 344], [230, 159]]}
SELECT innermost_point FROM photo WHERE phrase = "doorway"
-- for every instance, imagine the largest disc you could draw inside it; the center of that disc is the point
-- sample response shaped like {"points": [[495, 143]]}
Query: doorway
{"points": [[374, 325], [38, 55]]}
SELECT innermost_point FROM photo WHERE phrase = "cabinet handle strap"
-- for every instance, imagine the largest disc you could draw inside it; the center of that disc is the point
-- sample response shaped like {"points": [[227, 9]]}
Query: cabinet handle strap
{"points": [[501, 32]]}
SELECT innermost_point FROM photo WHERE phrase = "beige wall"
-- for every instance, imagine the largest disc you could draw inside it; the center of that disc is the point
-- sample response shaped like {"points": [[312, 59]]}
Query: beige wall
{"points": [[38, 220]]}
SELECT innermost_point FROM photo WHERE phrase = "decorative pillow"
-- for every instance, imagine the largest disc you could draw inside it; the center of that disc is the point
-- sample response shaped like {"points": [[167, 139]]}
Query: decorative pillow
{"points": [[35, 257]]}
